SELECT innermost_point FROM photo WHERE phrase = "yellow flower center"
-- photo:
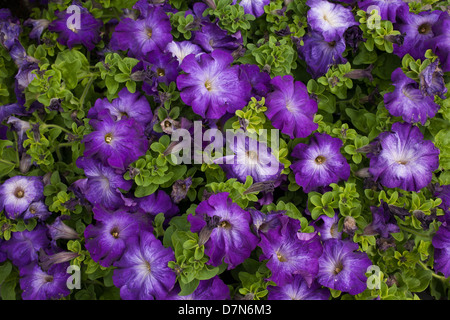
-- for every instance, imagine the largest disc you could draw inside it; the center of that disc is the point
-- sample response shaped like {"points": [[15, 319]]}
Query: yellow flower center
{"points": [[320, 159], [108, 138]]}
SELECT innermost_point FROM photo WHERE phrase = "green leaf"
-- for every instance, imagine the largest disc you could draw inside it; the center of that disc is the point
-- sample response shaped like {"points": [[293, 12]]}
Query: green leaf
{"points": [[188, 288], [5, 270]]}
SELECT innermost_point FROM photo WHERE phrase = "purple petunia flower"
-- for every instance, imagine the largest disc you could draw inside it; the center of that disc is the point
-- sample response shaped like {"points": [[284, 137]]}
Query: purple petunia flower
{"points": [[343, 268], [319, 163], [418, 31], [102, 184], [126, 105], [441, 41], [432, 81], [86, 33], [17, 193], [211, 86], [441, 244], [182, 49], [164, 69], [9, 29], [383, 222], [38, 26], [250, 158], [298, 289], [107, 240], [142, 273], [158, 202], [387, 9], [211, 289], [115, 143], [290, 109], [319, 54], [39, 285], [230, 239], [288, 255], [259, 80], [263, 222], [254, 7], [23, 247], [406, 160], [37, 210], [329, 19], [407, 100], [151, 31], [211, 37], [328, 227], [59, 230], [180, 189]]}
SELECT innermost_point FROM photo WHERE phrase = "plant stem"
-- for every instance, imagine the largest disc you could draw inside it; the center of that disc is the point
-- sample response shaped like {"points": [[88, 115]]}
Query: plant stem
{"points": [[56, 126], [85, 91], [9, 162], [413, 232], [442, 278]]}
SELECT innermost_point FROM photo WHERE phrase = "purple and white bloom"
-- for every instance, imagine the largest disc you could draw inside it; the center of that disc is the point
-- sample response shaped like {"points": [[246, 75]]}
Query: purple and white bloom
{"points": [[23, 247], [298, 289], [115, 143], [319, 54], [406, 160], [50, 257], [407, 100], [164, 69], [263, 222], [417, 30], [258, 80], [38, 210], [102, 184], [151, 31], [126, 105], [231, 239], [250, 158], [106, 240], [211, 37], [328, 227], [319, 163], [211, 289], [59, 230], [387, 9], [39, 285], [18, 192], [329, 19], [86, 33], [288, 255], [432, 81], [342, 267], [441, 244], [290, 108], [38, 26], [180, 50], [142, 273], [211, 86], [254, 7]]}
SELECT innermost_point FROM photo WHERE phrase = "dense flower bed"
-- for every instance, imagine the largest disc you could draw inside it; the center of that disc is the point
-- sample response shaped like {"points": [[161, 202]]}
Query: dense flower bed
{"points": [[224, 149]]}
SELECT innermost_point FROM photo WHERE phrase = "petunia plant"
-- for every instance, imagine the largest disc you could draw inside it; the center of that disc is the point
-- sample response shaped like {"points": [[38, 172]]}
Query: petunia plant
{"points": [[225, 150]]}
